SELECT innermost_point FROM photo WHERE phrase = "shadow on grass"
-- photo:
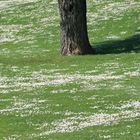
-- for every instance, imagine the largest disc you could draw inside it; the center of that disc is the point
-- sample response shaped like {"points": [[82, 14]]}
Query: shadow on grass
{"points": [[131, 44]]}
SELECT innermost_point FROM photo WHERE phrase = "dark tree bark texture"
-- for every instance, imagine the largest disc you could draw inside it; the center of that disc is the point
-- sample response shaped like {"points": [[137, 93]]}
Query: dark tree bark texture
{"points": [[74, 36]]}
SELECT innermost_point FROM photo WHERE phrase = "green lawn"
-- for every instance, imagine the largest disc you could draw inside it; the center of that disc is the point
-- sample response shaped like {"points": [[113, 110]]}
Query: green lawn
{"points": [[44, 95]]}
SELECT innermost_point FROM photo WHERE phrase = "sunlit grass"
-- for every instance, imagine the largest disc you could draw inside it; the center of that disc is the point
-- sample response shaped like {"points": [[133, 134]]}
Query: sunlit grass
{"points": [[44, 95]]}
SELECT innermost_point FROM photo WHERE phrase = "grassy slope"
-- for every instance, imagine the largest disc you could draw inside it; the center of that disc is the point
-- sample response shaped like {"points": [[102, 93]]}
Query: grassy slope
{"points": [[47, 96]]}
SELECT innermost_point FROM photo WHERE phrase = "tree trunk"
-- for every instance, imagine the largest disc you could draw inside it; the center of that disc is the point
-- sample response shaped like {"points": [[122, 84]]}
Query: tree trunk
{"points": [[74, 36]]}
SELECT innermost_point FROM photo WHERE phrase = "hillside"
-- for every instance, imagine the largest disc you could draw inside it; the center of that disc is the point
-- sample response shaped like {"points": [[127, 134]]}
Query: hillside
{"points": [[44, 95]]}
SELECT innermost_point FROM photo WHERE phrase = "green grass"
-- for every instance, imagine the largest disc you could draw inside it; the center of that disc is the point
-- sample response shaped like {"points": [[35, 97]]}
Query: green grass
{"points": [[44, 95]]}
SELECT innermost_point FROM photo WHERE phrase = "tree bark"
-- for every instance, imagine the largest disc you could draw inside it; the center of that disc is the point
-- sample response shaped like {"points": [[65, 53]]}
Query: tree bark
{"points": [[73, 23]]}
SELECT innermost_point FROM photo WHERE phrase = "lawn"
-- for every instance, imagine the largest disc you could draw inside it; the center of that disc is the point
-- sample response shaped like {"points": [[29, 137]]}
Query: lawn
{"points": [[44, 95]]}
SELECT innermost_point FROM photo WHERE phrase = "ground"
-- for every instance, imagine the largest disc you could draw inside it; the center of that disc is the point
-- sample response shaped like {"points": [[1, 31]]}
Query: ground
{"points": [[44, 95]]}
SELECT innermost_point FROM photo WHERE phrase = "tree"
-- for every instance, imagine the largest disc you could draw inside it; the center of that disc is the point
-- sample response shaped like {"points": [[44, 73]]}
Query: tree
{"points": [[73, 23]]}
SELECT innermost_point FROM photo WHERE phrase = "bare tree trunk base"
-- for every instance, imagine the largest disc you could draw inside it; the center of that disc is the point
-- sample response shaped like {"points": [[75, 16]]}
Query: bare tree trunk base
{"points": [[74, 36], [89, 50]]}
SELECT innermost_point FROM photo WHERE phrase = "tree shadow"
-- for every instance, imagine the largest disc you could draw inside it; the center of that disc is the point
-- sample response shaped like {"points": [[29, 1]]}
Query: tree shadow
{"points": [[131, 44]]}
